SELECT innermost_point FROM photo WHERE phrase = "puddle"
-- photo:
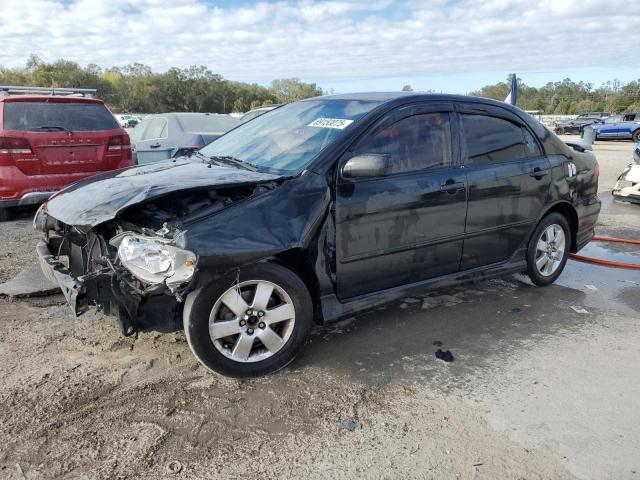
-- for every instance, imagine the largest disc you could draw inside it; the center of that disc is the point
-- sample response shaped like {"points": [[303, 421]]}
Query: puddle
{"points": [[617, 252]]}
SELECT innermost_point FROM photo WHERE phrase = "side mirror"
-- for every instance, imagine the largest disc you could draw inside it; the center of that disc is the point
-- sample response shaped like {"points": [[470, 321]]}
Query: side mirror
{"points": [[367, 165]]}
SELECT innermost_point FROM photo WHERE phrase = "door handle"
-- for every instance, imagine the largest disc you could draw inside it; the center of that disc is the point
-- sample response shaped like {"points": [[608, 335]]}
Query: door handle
{"points": [[155, 145], [538, 173], [451, 186]]}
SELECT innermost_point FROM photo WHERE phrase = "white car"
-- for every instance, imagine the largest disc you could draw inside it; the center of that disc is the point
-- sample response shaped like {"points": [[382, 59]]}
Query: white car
{"points": [[627, 187]]}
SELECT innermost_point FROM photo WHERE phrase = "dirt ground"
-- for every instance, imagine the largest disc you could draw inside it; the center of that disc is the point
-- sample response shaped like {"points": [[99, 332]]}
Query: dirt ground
{"points": [[538, 389]]}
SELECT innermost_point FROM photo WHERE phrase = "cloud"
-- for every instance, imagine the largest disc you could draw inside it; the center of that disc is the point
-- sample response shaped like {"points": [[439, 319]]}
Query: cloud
{"points": [[326, 40]]}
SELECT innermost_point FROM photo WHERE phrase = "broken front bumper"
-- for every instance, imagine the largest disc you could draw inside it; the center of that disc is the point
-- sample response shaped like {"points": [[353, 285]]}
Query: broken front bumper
{"points": [[108, 292], [57, 272]]}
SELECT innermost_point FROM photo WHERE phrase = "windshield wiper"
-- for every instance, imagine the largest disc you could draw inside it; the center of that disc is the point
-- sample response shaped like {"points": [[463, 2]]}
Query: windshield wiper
{"points": [[53, 127], [234, 161]]}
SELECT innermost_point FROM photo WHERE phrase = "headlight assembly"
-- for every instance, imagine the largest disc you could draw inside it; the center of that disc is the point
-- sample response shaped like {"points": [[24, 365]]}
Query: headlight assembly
{"points": [[154, 260]]}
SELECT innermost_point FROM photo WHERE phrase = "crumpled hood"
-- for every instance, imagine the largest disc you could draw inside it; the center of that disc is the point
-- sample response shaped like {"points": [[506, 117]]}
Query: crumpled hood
{"points": [[101, 198]]}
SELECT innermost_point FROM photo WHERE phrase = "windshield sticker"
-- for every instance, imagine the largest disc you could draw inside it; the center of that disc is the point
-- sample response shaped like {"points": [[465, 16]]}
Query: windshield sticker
{"points": [[339, 123]]}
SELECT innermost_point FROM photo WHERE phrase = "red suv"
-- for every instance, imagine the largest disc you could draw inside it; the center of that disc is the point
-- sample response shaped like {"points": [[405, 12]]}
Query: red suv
{"points": [[50, 141]]}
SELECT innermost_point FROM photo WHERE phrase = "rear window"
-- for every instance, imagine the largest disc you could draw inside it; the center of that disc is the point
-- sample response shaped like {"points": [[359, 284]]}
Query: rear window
{"points": [[207, 123], [50, 116]]}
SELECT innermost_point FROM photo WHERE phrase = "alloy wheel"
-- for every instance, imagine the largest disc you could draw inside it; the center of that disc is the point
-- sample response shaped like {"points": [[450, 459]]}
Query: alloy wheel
{"points": [[550, 250], [252, 321]]}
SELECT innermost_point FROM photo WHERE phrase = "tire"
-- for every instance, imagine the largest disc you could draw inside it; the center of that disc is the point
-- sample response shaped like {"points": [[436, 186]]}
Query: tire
{"points": [[636, 136], [228, 355], [560, 131], [4, 214], [543, 274]]}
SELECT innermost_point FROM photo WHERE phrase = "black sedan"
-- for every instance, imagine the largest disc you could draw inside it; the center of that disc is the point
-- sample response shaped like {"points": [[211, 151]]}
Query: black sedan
{"points": [[576, 126], [315, 211]]}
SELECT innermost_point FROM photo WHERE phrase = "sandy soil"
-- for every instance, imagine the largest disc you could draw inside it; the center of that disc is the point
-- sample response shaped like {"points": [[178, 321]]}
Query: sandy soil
{"points": [[81, 402]]}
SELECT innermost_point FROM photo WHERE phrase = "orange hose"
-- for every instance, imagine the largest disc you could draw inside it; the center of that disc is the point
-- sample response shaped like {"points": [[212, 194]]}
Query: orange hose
{"points": [[608, 263], [615, 240]]}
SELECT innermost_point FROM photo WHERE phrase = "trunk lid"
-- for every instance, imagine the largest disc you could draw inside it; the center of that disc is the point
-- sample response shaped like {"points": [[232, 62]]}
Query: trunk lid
{"points": [[56, 153]]}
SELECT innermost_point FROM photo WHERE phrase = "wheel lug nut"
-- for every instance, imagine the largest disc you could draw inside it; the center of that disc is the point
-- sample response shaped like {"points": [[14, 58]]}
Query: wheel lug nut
{"points": [[261, 325], [250, 331], [261, 313], [249, 312], [243, 323]]}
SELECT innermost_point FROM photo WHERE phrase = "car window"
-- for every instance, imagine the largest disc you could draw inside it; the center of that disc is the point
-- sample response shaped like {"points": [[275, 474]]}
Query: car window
{"points": [[531, 146], [492, 139], [629, 117], [209, 123], [48, 116], [157, 129], [137, 132], [414, 143], [613, 119]]}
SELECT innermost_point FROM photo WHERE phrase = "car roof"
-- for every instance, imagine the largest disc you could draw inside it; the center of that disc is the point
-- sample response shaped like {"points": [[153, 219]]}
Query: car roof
{"points": [[386, 97], [50, 99]]}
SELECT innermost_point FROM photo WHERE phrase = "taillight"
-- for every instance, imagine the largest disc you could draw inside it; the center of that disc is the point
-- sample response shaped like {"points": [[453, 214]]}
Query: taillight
{"points": [[596, 170], [14, 145], [118, 142], [12, 148]]}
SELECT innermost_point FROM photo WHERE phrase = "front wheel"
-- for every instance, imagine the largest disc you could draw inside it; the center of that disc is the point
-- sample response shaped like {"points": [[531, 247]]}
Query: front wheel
{"points": [[636, 136], [548, 249], [4, 214], [250, 325]]}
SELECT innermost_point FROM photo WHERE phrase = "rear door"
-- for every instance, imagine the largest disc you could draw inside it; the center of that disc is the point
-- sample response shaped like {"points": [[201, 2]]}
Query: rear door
{"points": [[154, 145], [508, 180], [65, 135], [407, 226]]}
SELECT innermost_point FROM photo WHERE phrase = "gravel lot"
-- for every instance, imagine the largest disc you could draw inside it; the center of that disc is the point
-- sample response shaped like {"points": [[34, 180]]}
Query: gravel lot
{"points": [[536, 391]]}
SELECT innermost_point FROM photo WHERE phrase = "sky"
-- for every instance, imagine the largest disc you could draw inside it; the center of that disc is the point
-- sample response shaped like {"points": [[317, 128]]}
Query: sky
{"points": [[452, 46]]}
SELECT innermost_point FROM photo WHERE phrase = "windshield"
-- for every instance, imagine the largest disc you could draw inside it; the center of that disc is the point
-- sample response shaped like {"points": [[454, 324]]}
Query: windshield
{"points": [[287, 139]]}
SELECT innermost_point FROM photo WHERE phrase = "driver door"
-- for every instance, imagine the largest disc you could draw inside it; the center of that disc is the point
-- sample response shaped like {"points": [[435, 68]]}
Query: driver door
{"points": [[406, 226]]}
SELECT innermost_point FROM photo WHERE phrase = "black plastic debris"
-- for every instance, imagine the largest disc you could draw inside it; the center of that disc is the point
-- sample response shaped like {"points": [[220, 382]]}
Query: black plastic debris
{"points": [[444, 355], [350, 424]]}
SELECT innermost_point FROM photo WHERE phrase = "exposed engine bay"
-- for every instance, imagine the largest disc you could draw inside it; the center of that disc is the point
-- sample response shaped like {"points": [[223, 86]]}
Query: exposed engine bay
{"points": [[129, 267]]}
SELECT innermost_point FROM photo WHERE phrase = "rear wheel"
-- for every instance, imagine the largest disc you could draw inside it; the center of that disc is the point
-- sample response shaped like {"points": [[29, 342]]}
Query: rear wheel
{"points": [[251, 325], [4, 214], [548, 249], [636, 136]]}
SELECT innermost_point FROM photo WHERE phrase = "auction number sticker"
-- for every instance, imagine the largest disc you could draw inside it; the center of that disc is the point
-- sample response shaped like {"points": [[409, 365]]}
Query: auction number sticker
{"points": [[339, 123]]}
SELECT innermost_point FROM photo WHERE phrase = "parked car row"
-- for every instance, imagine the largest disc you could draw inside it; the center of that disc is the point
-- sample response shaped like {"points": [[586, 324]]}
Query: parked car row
{"points": [[50, 138], [128, 121], [576, 125], [606, 126]]}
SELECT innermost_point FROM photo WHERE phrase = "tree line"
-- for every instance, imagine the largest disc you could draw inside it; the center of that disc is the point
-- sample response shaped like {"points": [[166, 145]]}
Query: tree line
{"points": [[569, 97], [136, 88]]}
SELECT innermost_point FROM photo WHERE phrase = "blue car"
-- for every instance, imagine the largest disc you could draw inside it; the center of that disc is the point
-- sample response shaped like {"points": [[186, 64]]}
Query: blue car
{"points": [[624, 125]]}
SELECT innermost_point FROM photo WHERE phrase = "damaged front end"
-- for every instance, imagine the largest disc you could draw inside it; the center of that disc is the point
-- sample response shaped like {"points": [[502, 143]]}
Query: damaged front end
{"points": [[130, 267], [627, 187]]}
